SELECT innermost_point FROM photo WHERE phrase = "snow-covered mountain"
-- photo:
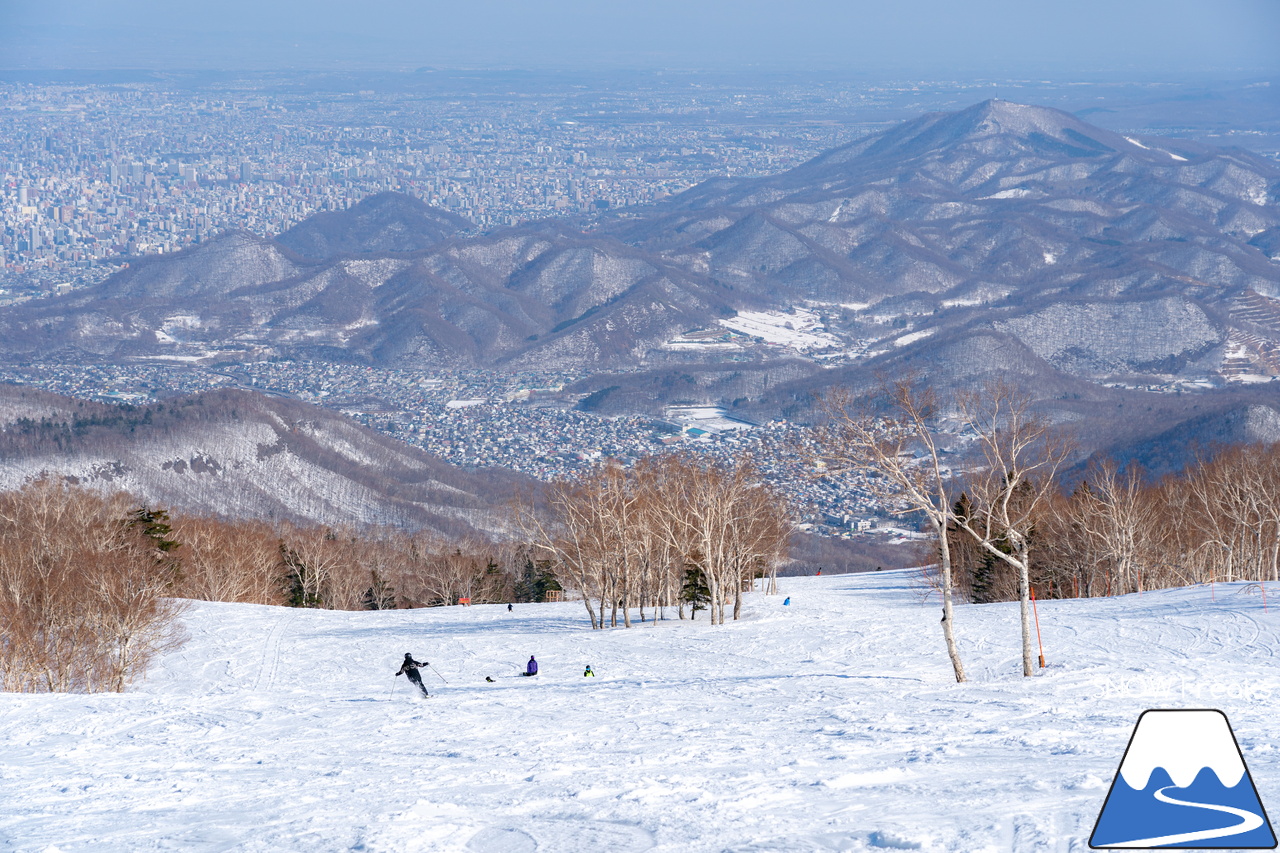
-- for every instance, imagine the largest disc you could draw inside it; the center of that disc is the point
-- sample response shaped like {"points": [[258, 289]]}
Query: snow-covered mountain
{"points": [[1008, 235], [1001, 225], [386, 222], [1003, 240], [244, 455], [832, 723]]}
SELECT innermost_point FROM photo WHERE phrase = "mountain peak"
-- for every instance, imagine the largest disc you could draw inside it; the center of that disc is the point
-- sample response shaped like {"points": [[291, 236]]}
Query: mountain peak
{"points": [[384, 222], [992, 128], [996, 116]]}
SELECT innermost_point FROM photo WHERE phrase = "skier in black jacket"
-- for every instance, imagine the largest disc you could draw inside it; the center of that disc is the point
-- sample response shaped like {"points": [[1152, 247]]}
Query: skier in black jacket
{"points": [[410, 668]]}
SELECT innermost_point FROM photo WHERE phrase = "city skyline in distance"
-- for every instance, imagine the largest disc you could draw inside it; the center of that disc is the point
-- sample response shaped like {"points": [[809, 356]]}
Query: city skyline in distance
{"points": [[985, 37]]}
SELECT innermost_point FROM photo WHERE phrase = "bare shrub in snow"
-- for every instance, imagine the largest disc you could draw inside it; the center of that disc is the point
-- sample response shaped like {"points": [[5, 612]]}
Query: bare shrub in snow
{"points": [[229, 561], [85, 600], [1021, 455]]}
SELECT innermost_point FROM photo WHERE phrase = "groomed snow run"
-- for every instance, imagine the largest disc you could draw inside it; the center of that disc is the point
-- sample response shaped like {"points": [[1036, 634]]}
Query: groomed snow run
{"points": [[832, 724], [800, 328]]}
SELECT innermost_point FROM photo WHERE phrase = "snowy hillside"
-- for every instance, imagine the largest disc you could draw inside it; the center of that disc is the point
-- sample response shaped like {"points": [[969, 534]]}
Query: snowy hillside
{"points": [[242, 454], [829, 724]]}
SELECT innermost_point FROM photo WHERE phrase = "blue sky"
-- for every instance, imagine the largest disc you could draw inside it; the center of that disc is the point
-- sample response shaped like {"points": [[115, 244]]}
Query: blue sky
{"points": [[1007, 37]]}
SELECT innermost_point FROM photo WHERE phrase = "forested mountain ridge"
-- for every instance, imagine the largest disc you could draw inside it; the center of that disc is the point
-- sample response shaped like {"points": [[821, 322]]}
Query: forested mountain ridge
{"points": [[1002, 239], [1008, 226], [244, 455]]}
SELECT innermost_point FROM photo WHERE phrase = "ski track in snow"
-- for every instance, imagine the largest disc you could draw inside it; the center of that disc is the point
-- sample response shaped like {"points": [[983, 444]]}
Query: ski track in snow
{"points": [[832, 724], [271, 652]]}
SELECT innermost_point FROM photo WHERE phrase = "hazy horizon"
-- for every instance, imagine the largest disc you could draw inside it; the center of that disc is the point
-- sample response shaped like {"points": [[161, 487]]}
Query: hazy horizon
{"points": [[984, 37]]}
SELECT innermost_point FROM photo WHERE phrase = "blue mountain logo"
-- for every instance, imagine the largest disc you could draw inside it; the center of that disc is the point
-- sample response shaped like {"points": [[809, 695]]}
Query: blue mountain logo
{"points": [[1183, 783]]}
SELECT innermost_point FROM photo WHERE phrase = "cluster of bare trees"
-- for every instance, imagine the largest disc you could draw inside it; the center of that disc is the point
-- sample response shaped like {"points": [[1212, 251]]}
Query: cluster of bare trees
{"points": [[650, 536], [336, 568], [1005, 528], [91, 586], [994, 520], [86, 587], [1117, 532]]}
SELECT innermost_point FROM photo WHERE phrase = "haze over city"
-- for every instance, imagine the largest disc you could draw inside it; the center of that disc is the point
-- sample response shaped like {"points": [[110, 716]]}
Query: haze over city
{"points": [[933, 37]]}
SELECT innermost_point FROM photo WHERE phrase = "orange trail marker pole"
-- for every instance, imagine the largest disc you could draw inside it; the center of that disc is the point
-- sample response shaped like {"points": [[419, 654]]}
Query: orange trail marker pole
{"points": [[1036, 612]]}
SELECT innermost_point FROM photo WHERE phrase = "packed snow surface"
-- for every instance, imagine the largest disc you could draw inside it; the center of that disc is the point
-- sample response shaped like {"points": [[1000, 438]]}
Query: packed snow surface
{"points": [[800, 328], [912, 337], [709, 418], [833, 723]]}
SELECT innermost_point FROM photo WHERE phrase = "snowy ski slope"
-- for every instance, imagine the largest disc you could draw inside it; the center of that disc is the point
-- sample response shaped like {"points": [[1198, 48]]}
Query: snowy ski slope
{"points": [[831, 724]]}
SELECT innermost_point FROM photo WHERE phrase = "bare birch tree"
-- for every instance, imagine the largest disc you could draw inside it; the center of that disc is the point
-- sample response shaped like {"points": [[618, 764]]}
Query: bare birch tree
{"points": [[1020, 459], [886, 446]]}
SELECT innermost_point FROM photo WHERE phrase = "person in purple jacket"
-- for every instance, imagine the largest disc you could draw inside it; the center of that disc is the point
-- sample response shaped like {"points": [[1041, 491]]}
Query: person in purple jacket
{"points": [[532, 668]]}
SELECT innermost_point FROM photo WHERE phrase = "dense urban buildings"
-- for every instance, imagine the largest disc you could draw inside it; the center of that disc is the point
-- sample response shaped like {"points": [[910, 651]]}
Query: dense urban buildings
{"points": [[480, 418], [95, 173]]}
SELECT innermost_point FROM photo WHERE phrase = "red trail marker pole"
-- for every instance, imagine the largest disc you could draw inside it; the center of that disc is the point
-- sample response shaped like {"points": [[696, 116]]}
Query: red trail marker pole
{"points": [[1036, 612]]}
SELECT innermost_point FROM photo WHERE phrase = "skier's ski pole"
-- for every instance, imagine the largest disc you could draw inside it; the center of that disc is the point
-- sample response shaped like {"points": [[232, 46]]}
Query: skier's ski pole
{"points": [[437, 672], [394, 684]]}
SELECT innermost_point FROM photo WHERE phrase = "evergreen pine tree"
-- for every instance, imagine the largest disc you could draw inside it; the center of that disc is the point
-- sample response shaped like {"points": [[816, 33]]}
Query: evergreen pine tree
{"points": [[694, 590], [984, 578], [535, 581], [154, 525]]}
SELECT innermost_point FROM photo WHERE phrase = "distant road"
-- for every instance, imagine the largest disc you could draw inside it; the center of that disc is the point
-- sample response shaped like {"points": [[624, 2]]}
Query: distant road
{"points": [[238, 382]]}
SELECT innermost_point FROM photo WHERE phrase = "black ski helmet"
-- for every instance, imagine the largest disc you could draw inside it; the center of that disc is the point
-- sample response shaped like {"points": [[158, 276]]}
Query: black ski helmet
{"points": [[408, 656]]}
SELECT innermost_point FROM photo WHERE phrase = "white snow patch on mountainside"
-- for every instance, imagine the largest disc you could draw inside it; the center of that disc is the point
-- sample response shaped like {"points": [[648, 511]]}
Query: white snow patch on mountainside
{"points": [[912, 337], [801, 329], [1015, 192], [1106, 337], [831, 723]]}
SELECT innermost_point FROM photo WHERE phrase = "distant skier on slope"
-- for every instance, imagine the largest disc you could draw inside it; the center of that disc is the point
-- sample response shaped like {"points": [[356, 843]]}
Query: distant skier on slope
{"points": [[590, 673], [532, 668], [410, 668]]}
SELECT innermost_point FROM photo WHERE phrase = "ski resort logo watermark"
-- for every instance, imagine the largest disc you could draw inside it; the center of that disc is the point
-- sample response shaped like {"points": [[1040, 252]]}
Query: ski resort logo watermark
{"points": [[1183, 783]]}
